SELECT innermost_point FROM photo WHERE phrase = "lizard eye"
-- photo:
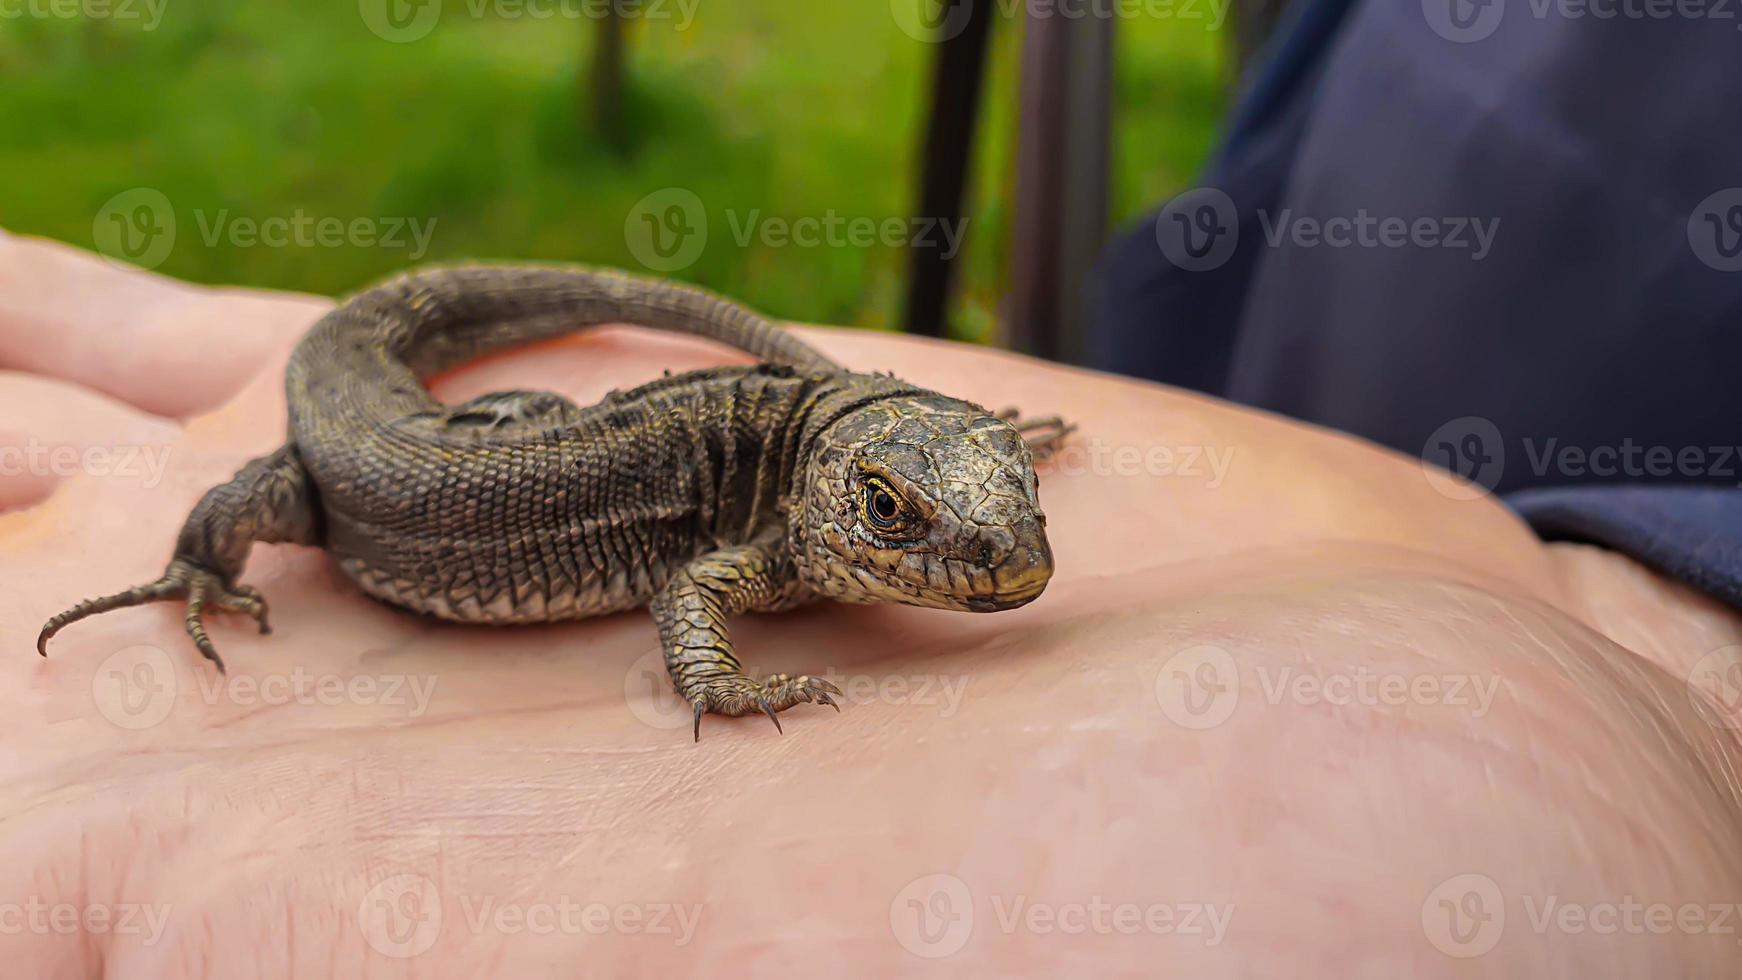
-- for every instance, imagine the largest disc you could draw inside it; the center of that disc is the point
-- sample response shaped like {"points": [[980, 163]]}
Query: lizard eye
{"points": [[882, 507]]}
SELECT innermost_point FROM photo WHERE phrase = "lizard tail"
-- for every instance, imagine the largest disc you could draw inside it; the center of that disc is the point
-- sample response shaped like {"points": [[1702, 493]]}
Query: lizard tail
{"points": [[392, 336]]}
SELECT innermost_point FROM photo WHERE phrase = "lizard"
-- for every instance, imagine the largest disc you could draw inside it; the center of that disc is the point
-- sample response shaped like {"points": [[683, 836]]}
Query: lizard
{"points": [[699, 495]]}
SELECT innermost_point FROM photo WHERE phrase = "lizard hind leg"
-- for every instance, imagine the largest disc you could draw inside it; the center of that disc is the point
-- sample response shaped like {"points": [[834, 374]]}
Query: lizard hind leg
{"points": [[183, 580], [270, 499], [501, 409]]}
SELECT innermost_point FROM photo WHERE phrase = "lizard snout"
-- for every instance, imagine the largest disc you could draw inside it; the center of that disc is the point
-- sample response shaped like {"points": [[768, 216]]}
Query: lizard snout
{"points": [[1023, 573]]}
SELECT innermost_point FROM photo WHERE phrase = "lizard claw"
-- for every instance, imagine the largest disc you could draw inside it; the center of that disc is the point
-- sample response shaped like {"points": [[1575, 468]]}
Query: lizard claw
{"points": [[768, 710], [183, 580], [739, 695], [787, 691]]}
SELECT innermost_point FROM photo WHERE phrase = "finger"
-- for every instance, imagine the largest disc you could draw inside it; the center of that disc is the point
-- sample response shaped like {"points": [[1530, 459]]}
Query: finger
{"points": [[165, 347], [51, 432]]}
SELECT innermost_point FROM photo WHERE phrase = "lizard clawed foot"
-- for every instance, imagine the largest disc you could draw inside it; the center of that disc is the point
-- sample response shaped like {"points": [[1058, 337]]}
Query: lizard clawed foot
{"points": [[739, 695], [184, 580], [1043, 435]]}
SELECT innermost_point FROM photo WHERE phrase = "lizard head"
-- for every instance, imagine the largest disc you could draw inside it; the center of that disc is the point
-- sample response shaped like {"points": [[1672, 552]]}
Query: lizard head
{"points": [[924, 500]]}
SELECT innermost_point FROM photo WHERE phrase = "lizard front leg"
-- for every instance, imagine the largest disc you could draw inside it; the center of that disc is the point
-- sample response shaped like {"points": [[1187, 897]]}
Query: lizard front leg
{"points": [[1043, 435], [270, 499], [691, 612]]}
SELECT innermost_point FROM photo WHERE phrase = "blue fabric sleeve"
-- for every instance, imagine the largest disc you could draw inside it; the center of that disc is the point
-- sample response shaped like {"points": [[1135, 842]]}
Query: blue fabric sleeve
{"points": [[1690, 534]]}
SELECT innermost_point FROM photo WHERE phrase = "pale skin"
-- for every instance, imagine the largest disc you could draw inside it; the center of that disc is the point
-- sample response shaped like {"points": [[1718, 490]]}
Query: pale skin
{"points": [[1425, 691]]}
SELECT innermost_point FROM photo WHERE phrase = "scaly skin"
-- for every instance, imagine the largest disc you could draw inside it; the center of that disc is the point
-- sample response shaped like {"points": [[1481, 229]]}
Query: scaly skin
{"points": [[700, 495]]}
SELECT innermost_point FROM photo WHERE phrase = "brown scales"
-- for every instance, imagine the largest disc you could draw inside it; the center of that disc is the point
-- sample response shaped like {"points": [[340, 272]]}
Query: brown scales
{"points": [[699, 495]]}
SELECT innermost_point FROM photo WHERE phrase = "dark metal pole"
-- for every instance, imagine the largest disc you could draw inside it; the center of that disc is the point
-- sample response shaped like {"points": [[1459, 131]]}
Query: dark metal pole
{"points": [[605, 95], [957, 78], [1063, 158]]}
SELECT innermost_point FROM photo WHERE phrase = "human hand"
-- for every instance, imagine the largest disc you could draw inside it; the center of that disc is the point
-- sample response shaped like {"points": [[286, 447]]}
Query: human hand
{"points": [[1142, 771]]}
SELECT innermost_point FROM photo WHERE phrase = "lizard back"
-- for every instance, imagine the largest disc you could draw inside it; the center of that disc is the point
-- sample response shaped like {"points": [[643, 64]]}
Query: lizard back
{"points": [[601, 502]]}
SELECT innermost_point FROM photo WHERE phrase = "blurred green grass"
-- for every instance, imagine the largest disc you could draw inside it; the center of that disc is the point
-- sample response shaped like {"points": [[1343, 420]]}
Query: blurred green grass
{"points": [[273, 108]]}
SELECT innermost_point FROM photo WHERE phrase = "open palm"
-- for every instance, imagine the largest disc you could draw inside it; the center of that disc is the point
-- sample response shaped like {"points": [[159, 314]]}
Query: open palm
{"points": [[1289, 704]]}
